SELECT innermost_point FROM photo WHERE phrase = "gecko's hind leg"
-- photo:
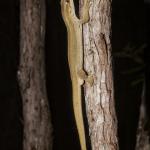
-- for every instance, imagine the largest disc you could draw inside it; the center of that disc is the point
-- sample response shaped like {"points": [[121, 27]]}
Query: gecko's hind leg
{"points": [[90, 80], [84, 77]]}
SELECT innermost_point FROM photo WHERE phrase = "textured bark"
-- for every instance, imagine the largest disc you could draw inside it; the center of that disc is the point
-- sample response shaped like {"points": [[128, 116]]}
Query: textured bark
{"points": [[99, 98], [31, 75]]}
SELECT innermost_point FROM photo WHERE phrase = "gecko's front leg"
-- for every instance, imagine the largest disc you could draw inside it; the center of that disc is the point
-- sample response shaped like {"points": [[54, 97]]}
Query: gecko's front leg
{"points": [[84, 15]]}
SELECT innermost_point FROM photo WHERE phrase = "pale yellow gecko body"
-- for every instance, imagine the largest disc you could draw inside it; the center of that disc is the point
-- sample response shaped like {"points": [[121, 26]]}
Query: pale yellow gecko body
{"points": [[75, 59]]}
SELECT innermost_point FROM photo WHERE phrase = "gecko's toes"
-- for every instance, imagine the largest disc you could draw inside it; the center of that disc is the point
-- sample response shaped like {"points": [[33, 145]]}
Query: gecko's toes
{"points": [[90, 80]]}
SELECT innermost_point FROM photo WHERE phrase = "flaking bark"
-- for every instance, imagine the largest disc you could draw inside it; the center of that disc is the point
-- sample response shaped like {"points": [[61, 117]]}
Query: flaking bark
{"points": [[31, 76], [99, 98]]}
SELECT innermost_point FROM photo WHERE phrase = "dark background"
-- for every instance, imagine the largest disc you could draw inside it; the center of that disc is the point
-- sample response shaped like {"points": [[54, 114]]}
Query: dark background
{"points": [[129, 26]]}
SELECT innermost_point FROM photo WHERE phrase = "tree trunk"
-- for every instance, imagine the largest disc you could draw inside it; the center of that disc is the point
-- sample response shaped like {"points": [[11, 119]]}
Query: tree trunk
{"points": [[99, 98], [143, 139], [31, 76]]}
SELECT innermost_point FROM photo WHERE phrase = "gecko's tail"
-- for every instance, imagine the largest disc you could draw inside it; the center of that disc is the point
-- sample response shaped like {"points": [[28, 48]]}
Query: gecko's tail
{"points": [[77, 105]]}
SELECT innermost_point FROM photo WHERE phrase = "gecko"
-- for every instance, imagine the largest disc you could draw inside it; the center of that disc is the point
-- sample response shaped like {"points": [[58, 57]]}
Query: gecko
{"points": [[74, 27]]}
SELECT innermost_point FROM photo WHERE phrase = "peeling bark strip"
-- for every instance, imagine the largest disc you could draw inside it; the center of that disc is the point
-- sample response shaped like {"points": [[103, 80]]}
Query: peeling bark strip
{"points": [[31, 76], [97, 61]]}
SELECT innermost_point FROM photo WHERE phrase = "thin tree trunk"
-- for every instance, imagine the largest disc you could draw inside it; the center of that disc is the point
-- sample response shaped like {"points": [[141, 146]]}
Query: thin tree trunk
{"points": [[143, 139], [31, 75], [99, 98]]}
